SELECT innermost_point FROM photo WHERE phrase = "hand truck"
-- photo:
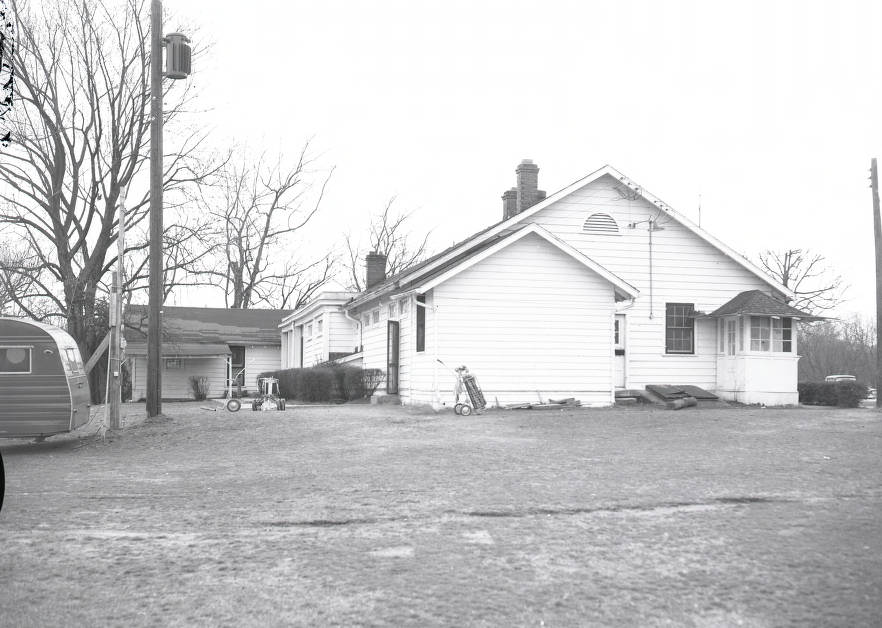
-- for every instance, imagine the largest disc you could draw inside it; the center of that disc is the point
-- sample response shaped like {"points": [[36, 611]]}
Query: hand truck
{"points": [[467, 393]]}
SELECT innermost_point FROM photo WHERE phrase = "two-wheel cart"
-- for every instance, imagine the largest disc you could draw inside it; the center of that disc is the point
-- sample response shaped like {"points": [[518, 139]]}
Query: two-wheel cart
{"points": [[467, 392]]}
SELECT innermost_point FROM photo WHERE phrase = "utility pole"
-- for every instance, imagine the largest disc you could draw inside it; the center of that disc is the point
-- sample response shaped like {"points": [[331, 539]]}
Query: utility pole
{"points": [[178, 67], [154, 320], [114, 372], [877, 233], [115, 358]]}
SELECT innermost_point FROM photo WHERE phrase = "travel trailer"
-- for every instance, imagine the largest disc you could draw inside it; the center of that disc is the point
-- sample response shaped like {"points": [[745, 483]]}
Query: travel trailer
{"points": [[43, 385]]}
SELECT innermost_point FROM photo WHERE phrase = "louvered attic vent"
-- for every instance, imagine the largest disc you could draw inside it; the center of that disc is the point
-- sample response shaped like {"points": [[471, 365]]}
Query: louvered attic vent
{"points": [[601, 223]]}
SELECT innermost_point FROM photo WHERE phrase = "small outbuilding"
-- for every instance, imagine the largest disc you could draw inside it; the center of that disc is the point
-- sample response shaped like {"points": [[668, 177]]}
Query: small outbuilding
{"points": [[219, 344]]}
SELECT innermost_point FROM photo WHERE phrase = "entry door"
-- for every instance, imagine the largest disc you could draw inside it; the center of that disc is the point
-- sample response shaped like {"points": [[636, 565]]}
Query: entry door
{"points": [[619, 349], [238, 364], [392, 339]]}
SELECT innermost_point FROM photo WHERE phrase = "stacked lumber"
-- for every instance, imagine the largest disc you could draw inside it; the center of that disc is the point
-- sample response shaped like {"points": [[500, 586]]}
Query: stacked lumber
{"points": [[553, 404]]}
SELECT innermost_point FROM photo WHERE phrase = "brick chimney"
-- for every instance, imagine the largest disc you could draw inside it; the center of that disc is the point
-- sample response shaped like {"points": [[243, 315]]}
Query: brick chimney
{"points": [[526, 193], [509, 203], [375, 264]]}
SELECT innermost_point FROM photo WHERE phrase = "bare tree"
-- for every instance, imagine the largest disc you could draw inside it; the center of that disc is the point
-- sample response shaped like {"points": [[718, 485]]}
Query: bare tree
{"points": [[296, 284], [388, 234], [81, 124], [262, 208], [16, 268], [845, 346], [815, 285], [7, 77]]}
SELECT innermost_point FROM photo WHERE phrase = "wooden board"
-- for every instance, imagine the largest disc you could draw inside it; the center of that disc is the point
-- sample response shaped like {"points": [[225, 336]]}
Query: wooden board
{"points": [[679, 392]]}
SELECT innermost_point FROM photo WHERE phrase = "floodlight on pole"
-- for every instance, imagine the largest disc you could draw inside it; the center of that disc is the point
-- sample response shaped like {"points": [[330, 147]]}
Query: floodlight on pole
{"points": [[178, 67]]}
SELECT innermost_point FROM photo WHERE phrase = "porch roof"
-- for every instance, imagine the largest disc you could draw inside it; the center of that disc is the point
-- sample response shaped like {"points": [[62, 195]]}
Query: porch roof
{"points": [[758, 303]]}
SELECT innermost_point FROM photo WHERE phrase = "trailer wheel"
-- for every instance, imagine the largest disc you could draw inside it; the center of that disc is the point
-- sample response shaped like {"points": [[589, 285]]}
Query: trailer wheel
{"points": [[233, 405], [457, 408], [466, 410]]}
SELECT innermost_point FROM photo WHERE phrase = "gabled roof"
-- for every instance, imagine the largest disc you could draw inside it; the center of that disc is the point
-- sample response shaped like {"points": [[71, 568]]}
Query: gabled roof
{"points": [[758, 303], [208, 325], [623, 289], [322, 299], [453, 254]]}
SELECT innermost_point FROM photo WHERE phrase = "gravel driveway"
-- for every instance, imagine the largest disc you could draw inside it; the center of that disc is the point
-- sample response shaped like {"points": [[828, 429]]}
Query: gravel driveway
{"points": [[384, 516]]}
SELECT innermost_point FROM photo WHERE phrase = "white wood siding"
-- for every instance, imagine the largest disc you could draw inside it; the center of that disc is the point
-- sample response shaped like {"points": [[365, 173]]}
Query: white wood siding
{"points": [[260, 359], [314, 350], [407, 346], [375, 348], [287, 349], [528, 321], [685, 269], [176, 381], [374, 338], [343, 332]]}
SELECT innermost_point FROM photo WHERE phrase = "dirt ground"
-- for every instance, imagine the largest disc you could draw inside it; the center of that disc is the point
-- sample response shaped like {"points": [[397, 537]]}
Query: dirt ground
{"points": [[382, 516]]}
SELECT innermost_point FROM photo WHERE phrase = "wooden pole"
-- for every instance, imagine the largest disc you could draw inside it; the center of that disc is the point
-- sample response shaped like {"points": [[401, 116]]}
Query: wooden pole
{"points": [[877, 232], [115, 357], [154, 329], [113, 394]]}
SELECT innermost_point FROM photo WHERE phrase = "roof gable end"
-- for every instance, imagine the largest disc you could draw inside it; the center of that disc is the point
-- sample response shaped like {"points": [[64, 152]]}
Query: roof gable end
{"points": [[623, 289], [433, 264]]}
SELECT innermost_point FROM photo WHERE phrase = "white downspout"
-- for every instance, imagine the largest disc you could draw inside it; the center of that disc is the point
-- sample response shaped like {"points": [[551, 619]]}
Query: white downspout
{"points": [[357, 326], [436, 397]]}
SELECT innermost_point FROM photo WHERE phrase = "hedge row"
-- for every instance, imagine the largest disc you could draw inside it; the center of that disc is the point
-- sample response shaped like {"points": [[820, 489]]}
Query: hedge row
{"points": [[842, 394], [326, 383]]}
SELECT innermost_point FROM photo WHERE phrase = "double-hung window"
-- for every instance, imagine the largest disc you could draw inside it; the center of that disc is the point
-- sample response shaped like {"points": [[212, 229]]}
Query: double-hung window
{"points": [[680, 328]]}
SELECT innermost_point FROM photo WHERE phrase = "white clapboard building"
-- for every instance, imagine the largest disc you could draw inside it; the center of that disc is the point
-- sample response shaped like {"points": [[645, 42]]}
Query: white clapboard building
{"points": [[600, 287]]}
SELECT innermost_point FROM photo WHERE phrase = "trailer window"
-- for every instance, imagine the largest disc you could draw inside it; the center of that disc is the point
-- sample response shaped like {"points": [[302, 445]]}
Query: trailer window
{"points": [[73, 360], [15, 359]]}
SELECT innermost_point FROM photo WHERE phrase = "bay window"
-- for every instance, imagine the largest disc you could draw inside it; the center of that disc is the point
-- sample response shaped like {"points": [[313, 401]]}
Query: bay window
{"points": [[771, 333]]}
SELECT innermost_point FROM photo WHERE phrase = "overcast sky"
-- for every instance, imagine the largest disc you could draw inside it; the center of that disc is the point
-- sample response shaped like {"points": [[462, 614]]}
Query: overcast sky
{"points": [[768, 112]]}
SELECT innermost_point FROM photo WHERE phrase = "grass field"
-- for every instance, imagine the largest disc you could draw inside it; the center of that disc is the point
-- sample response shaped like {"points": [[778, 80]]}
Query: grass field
{"points": [[379, 515]]}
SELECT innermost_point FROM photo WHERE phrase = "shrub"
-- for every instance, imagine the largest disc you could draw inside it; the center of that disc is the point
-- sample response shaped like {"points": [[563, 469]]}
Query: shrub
{"points": [[372, 379], [353, 383], [850, 394], [321, 383], [200, 387], [316, 384], [842, 394]]}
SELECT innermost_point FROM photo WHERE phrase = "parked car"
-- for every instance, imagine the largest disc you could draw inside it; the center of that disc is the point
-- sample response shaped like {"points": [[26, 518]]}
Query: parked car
{"points": [[840, 378]]}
